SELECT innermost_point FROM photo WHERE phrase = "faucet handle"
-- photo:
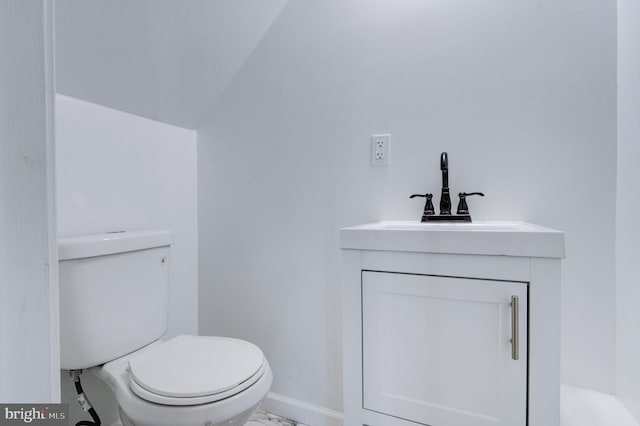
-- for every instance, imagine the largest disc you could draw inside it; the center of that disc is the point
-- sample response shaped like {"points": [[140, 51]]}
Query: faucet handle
{"points": [[462, 204], [428, 206]]}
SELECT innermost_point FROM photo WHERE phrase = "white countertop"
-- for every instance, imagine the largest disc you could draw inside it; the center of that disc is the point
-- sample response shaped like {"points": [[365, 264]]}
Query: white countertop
{"points": [[483, 238]]}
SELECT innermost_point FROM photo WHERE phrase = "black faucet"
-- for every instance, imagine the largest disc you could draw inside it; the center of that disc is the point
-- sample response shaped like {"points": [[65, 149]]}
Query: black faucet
{"points": [[462, 213]]}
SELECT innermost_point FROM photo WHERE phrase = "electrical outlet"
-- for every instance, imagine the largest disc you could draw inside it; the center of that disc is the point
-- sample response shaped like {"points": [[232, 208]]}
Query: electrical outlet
{"points": [[380, 145]]}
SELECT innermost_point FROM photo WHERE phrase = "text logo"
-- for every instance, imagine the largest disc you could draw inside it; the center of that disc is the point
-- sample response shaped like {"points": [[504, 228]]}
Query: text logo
{"points": [[35, 414]]}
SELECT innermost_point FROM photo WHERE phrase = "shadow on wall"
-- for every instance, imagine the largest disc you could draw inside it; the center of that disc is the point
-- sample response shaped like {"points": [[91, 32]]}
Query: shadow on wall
{"points": [[582, 407]]}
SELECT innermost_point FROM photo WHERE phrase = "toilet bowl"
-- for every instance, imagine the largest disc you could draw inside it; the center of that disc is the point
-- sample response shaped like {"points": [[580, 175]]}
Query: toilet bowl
{"points": [[184, 381], [189, 380]]}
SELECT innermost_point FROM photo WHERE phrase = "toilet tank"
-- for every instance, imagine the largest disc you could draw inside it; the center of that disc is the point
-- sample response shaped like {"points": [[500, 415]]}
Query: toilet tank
{"points": [[113, 294]]}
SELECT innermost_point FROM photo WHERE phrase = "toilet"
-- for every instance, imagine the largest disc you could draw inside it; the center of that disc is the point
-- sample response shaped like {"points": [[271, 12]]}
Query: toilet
{"points": [[113, 310]]}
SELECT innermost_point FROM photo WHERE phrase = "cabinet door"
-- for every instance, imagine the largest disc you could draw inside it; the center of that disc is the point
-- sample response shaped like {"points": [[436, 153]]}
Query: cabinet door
{"points": [[438, 350]]}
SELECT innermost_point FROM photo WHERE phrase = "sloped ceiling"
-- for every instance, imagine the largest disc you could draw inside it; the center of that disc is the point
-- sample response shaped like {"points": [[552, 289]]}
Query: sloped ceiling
{"points": [[168, 60]]}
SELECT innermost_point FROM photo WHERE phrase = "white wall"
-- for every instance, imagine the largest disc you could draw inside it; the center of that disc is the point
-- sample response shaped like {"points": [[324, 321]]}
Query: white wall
{"points": [[117, 171], [166, 60], [628, 206], [28, 269], [521, 94]]}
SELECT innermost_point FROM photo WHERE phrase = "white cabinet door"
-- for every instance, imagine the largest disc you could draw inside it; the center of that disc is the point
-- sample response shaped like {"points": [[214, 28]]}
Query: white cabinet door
{"points": [[438, 350]]}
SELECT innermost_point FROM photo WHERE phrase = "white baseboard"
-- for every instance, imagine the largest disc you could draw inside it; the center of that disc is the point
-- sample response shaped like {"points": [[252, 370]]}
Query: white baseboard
{"points": [[301, 411]]}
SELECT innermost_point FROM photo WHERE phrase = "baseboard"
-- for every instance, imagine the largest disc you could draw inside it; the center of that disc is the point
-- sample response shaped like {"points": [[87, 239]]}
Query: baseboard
{"points": [[301, 411]]}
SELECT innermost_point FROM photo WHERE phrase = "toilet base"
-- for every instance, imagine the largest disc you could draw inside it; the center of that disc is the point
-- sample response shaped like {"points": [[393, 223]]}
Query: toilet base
{"points": [[135, 411], [238, 420]]}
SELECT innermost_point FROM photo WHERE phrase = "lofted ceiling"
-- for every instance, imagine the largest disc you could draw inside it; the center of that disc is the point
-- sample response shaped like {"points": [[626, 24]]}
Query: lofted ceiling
{"points": [[168, 60]]}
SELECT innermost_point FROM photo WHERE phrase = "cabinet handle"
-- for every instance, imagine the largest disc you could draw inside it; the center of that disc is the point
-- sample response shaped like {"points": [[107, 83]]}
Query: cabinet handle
{"points": [[515, 328]]}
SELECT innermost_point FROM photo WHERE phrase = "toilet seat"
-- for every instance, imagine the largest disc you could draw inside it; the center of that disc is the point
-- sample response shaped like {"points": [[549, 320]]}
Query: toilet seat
{"points": [[191, 370], [178, 401]]}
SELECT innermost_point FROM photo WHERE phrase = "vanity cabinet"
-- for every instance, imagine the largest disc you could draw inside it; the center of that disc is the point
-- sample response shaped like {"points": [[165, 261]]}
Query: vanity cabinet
{"points": [[454, 325]]}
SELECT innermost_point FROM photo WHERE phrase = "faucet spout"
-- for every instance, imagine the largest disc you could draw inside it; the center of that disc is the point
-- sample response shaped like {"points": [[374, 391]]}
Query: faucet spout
{"points": [[444, 161], [444, 166], [445, 199]]}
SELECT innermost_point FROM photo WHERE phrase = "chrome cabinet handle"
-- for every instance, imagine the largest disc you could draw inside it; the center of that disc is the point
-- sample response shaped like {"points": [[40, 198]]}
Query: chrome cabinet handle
{"points": [[515, 328]]}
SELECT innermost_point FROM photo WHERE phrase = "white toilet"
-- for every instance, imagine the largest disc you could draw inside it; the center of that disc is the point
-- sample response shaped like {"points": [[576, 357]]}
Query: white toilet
{"points": [[113, 309]]}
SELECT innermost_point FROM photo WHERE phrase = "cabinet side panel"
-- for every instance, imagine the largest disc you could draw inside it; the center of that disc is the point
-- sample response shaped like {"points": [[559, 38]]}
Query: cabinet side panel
{"points": [[352, 336], [544, 343]]}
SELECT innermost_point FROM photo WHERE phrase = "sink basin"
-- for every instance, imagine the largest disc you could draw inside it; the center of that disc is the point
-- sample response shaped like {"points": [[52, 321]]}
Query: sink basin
{"points": [[503, 238], [457, 226]]}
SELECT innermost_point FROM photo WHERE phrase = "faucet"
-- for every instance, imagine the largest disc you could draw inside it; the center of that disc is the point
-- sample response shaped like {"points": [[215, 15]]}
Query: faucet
{"points": [[462, 213]]}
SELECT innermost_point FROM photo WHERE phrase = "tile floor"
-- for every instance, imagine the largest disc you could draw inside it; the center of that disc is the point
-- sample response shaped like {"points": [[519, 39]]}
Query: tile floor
{"points": [[262, 418]]}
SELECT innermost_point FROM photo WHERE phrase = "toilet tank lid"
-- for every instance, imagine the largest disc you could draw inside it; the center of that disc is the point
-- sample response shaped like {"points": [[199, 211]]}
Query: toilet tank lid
{"points": [[111, 242]]}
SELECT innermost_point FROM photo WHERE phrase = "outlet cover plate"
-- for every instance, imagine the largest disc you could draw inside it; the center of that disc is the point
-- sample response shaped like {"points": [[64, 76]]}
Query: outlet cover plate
{"points": [[380, 152]]}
